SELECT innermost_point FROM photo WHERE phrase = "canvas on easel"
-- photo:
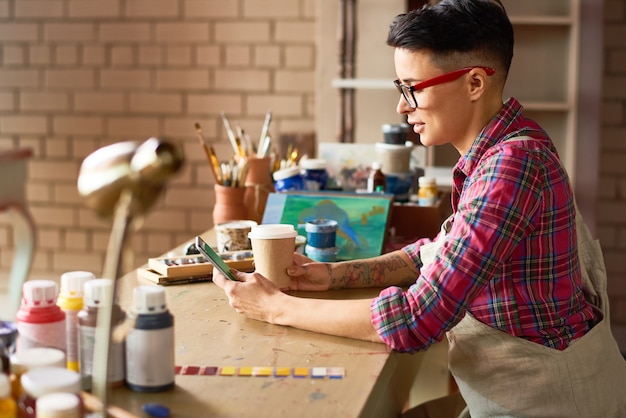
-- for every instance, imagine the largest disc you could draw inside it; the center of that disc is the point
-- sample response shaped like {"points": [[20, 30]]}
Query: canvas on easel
{"points": [[362, 219]]}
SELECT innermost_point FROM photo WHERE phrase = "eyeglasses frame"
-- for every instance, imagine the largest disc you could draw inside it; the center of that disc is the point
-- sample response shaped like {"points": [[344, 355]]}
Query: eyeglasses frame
{"points": [[440, 79]]}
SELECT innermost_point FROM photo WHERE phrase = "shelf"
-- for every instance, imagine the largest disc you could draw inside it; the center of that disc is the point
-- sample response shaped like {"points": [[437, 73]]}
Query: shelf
{"points": [[363, 83]]}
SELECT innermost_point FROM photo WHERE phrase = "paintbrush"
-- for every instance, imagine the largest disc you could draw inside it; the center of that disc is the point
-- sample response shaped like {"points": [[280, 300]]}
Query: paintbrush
{"points": [[202, 142], [229, 131], [210, 155], [215, 166], [265, 133]]}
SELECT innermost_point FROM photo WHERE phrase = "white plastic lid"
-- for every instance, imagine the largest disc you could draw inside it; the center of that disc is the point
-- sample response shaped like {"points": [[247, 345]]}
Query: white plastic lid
{"points": [[376, 165], [39, 293], [5, 386], [73, 283], [272, 231], [383, 146], [58, 405], [149, 300], [96, 292], [427, 181], [239, 224], [285, 173], [35, 358], [313, 163], [40, 382]]}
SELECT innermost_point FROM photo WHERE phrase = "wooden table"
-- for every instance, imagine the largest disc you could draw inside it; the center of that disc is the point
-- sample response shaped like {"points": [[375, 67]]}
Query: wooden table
{"points": [[209, 332]]}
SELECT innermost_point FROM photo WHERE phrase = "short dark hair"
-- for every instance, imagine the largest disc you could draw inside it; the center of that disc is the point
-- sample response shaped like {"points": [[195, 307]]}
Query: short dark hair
{"points": [[457, 33]]}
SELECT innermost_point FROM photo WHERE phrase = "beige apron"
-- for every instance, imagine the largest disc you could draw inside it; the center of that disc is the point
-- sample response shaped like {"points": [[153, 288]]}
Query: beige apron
{"points": [[500, 375]]}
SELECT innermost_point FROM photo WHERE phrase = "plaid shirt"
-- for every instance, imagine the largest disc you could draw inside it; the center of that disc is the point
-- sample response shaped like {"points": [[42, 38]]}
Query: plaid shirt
{"points": [[510, 258]]}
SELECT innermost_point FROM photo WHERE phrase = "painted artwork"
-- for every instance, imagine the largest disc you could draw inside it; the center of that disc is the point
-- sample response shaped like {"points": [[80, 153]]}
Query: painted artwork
{"points": [[362, 218]]}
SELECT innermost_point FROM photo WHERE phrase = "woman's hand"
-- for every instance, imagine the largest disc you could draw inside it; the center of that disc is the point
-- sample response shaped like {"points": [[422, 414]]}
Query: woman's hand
{"points": [[308, 275], [252, 295]]}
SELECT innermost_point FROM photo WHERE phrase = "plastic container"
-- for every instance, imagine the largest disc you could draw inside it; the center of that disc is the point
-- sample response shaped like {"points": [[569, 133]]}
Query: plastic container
{"points": [[8, 336], [31, 359], [322, 254], [95, 293], [8, 406], [150, 345], [314, 173], [394, 158], [427, 194], [376, 182], [395, 133], [71, 302], [40, 322], [288, 179], [58, 405], [40, 382], [399, 184], [321, 233]]}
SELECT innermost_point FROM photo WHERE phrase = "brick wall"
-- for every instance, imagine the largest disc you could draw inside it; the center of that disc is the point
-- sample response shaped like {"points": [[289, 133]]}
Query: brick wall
{"points": [[79, 74], [612, 191]]}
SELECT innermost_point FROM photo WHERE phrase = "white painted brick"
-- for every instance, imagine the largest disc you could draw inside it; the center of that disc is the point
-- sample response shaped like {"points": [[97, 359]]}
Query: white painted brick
{"points": [[53, 216], [180, 197], [39, 8], [158, 243], [94, 55], [88, 218], [267, 56], [57, 147], [125, 78], [270, 9], [208, 55], [210, 8], [99, 102], [18, 78], [4, 8], [182, 79], [40, 54], [180, 127], [54, 170], [237, 32], [39, 192], [294, 81], [124, 32], [155, 103], [122, 55], [68, 260], [165, 220], [152, 8], [94, 8], [20, 32], [213, 104], [300, 57], [7, 101], [279, 104], [69, 78], [69, 31], [13, 55], [291, 32], [78, 125], [132, 128], [201, 220], [182, 32], [151, 55], [67, 55], [24, 124], [238, 56], [242, 80], [178, 55]]}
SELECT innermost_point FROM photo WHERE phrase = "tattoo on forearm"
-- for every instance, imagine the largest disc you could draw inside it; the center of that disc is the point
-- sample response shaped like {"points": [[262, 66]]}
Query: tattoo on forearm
{"points": [[381, 271]]}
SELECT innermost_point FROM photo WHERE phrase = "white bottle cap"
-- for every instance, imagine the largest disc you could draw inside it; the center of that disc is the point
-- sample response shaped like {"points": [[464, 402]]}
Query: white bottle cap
{"points": [[39, 293], [58, 405], [39, 382], [35, 358], [426, 181], [5, 386], [272, 231], [376, 165], [149, 300], [73, 283], [313, 163], [96, 292]]}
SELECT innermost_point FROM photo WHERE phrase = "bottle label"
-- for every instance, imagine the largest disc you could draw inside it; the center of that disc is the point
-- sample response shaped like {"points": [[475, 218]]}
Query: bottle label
{"points": [[150, 357], [116, 371]]}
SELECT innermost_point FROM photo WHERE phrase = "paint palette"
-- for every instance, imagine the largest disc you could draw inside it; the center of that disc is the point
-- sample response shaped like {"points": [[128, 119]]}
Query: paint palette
{"points": [[189, 268], [263, 371]]}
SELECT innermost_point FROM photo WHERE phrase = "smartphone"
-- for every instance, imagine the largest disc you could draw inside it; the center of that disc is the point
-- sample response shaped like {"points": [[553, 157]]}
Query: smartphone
{"points": [[214, 258]]}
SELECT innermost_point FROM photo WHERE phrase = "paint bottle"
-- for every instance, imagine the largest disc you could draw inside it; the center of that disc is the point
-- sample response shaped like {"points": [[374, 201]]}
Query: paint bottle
{"points": [[58, 405], [150, 344], [376, 180], [8, 407], [71, 302], [31, 359], [427, 194], [40, 322], [94, 297], [8, 335], [40, 382], [314, 173]]}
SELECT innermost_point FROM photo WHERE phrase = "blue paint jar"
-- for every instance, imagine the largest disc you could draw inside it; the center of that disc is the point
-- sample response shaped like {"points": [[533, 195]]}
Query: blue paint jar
{"points": [[327, 255], [288, 179], [321, 233], [314, 173]]}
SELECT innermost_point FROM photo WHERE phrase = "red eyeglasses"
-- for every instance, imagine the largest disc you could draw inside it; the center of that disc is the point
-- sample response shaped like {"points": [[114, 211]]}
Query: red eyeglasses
{"points": [[408, 91]]}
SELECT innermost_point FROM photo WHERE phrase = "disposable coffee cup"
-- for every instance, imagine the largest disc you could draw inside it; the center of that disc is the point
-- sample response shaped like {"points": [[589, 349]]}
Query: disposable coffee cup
{"points": [[233, 235], [273, 246]]}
